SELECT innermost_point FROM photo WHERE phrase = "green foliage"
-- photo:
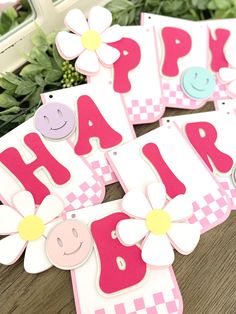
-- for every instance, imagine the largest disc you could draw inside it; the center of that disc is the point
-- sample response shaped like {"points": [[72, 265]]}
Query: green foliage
{"points": [[11, 17], [127, 12]]}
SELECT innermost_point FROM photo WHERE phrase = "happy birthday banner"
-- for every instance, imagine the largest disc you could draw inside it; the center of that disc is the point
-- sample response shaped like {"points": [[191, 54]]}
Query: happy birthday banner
{"points": [[179, 179]]}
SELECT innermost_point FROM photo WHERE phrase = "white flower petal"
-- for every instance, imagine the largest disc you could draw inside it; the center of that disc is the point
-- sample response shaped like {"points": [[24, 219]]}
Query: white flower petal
{"points": [[50, 208], [24, 203], [87, 63], [107, 54], [230, 57], [9, 220], [76, 21], [11, 248], [69, 45], [131, 231], [49, 226], [157, 195], [231, 88], [36, 260], [184, 237], [157, 251], [227, 74], [179, 208], [112, 34], [99, 19], [135, 204]]}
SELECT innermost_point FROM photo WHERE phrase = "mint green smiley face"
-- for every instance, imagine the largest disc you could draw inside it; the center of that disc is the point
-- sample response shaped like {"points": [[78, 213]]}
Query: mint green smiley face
{"points": [[198, 83]]}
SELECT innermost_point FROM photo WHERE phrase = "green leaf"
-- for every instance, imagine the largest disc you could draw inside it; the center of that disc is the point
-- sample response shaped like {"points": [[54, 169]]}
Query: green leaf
{"points": [[30, 70], [58, 59], [11, 13], [39, 39], [14, 109], [6, 21], [25, 88], [7, 101], [222, 4], [12, 78], [51, 38], [35, 97], [43, 59], [53, 76], [6, 84], [39, 80]]}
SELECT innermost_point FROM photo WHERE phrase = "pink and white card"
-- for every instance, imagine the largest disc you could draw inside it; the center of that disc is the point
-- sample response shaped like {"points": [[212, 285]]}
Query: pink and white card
{"points": [[28, 161], [225, 104], [114, 280], [211, 133], [102, 123], [185, 41], [165, 155], [136, 74]]}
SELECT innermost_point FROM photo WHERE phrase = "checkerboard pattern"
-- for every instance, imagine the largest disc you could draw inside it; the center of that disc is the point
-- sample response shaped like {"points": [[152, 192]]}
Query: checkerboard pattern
{"points": [[157, 303], [209, 210], [231, 191], [173, 96], [90, 194], [145, 112], [103, 170]]}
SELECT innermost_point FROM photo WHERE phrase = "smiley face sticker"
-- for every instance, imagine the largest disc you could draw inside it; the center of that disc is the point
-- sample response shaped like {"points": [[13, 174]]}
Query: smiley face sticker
{"points": [[198, 83], [55, 121], [69, 244]]}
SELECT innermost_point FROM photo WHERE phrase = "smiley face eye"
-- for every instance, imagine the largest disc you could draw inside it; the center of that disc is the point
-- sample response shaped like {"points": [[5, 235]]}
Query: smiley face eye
{"points": [[207, 81], [46, 119], [59, 242], [75, 233], [195, 75], [59, 112]]}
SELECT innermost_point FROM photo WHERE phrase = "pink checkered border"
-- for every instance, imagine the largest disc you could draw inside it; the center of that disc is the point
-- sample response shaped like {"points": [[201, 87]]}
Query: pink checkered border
{"points": [[104, 171], [158, 303], [174, 97], [230, 191], [143, 113], [210, 210], [91, 192]]}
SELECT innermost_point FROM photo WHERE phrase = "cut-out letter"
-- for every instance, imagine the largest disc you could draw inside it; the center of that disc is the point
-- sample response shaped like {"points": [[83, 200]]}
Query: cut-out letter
{"points": [[203, 136], [173, 185], [91, 124], [177, 44], [13, 161], [121, 267], [130, 56], [217, 49]]}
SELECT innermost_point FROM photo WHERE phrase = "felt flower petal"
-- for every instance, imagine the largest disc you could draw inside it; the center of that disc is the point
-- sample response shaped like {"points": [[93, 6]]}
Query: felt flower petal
{"points": [[157, 251], [131, 231], [135, 204], [9, 220], [69, 45], [24, 203], [112, 34], [227, 74], [87, 62], [76, 21], [11, 248], [156, 195], [99, 19], [231, 88], [230, 57], [107, 54], [179, 208], [50, 208], [49, 226], [36, 259], [184, 237]]}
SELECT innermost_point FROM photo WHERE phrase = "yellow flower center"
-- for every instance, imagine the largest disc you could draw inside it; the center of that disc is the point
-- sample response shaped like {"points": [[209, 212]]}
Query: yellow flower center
{"points": [[31, 228], [158, 221], [91, 40]]}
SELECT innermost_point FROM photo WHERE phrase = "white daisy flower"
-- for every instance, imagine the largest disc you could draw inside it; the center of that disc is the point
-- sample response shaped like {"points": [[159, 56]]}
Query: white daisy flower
{"points": [[89, 39], [27, 228], [160, 228], [228, 75]]}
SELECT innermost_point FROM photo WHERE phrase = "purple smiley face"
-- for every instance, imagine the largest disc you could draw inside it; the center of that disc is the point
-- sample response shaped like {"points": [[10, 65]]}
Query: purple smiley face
{"points": [[55, 121]]}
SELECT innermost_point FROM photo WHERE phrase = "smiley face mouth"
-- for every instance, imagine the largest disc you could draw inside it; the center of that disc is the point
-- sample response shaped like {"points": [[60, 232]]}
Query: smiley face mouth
{"points": [[56, 129], [75, 251], [197, 89]]}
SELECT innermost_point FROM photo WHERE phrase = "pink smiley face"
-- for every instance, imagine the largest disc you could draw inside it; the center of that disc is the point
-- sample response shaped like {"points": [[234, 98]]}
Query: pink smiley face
{"points": [[69, 244]]}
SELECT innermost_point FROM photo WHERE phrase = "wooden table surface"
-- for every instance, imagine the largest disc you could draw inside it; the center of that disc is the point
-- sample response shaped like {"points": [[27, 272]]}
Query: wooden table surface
{"points": [[207, 277]]}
